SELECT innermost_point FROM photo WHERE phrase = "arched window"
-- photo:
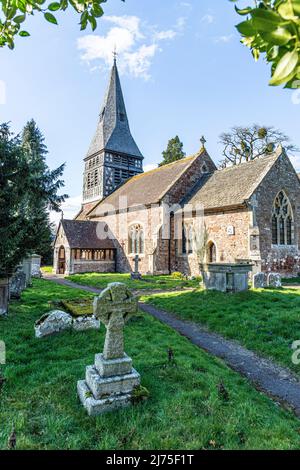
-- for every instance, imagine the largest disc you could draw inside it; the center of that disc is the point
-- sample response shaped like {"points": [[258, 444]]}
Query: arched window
{"points": [[211, 253], [282, 221], [136, 240], [187, 238]]}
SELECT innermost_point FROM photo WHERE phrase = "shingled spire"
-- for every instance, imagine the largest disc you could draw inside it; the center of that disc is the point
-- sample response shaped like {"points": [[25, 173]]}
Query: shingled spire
{"points": [[113, 155]]}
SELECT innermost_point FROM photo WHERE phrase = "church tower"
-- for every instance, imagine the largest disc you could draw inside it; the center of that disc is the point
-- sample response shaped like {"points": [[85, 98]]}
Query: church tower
{"points": [[113, 156]]}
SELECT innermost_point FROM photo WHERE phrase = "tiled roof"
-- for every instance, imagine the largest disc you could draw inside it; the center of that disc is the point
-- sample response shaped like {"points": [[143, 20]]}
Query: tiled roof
{"points": [[146, 188], [113, 131], [234, 185], [84, 234]]}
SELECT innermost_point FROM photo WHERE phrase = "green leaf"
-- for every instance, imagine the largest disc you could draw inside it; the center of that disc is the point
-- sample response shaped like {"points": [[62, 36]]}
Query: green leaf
{"points": [[246, 28], [54, 6], [19, 19], [265, 20], [286, 10], [51, 18], [286, 68], [243, 11], [24, 33], [278, 37]]}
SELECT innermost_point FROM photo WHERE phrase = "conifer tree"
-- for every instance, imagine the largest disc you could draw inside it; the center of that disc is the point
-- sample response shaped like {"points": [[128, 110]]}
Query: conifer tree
{"points": [[174, 151]]}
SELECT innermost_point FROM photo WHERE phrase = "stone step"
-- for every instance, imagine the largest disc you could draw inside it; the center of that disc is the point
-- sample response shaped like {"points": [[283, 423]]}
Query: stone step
{"points": [[103, 387], [111, 367], [97, 407]]}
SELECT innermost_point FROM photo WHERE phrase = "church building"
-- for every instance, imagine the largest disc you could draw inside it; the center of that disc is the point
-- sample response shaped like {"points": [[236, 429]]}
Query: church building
{"points": [[248, 213]]}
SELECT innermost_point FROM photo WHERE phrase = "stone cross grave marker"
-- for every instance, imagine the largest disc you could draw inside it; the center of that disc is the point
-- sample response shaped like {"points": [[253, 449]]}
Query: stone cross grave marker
{"points": [[114, 307], [136, 275], [110, 382]]}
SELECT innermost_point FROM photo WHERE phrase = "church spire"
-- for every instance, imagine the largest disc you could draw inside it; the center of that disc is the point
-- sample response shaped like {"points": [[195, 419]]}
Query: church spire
{"points": [[113, 132], [113, 156]]}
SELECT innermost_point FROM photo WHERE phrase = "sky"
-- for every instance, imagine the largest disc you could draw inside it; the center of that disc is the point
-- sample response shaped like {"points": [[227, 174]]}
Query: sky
{"points": [[183, 72]]}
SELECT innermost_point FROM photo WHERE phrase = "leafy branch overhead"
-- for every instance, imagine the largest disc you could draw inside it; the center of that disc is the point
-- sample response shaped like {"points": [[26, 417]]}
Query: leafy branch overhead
{"points": [[15, 13], [272, 28]]}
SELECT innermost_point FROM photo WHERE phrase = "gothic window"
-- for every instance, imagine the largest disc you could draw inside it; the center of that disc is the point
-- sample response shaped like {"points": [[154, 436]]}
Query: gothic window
{"points": [[187, 239], [211, 252], [282, 221], [136, 240]]}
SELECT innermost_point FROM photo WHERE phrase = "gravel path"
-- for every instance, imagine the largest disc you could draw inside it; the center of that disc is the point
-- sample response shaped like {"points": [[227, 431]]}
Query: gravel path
{"points": [[267, 376]]}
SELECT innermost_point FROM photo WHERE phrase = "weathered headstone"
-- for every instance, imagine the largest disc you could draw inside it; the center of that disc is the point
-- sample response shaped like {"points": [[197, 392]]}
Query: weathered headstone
{"points": [[4, 286], [52, 322], [17, 283], [27, 267], [259, 281], [36, 265], [136, 275], [109, 383], [274, 280]]}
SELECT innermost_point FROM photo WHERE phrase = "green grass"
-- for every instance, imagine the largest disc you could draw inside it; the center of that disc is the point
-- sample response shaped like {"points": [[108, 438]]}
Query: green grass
{"points": [[291, 280], [185, 410], [47, 269], [147, 282], [266, 321]]}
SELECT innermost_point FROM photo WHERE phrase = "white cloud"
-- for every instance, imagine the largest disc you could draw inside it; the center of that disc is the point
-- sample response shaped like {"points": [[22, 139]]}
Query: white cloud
{"points": [[70, 208], [224, 39], [136, 44], [162, 35], [209, 19]]}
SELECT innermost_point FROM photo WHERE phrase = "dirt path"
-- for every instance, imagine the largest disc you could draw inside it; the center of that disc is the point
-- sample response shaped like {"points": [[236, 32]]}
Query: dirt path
{"points": [[267, 376]]}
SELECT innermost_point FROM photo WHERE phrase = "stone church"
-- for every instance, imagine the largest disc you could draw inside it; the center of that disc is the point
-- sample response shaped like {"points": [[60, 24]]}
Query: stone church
{"points": [[249, 213]]}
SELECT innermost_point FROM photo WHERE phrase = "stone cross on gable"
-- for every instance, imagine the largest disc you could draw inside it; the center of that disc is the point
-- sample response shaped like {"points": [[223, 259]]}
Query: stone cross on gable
{"points": [[114, 307]]}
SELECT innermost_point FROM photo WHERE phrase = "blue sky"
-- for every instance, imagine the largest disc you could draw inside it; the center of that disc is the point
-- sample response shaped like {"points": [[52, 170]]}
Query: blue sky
{"points": [[183, 71]]}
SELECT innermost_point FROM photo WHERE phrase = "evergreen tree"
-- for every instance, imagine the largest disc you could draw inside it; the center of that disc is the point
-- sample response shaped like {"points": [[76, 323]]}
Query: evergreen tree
{"points": [[174, 151], [45, 197], [28, 188]]}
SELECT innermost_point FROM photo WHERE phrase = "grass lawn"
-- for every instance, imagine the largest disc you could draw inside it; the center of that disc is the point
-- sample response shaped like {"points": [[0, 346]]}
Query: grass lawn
{"points": [[291, 280], [147, 282], [185, 410], [266, 321], [47, 269]]}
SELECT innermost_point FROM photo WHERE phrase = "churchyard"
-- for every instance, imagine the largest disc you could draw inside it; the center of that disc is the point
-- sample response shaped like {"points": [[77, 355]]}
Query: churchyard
{"points": [[165, 282], [195, 401]]}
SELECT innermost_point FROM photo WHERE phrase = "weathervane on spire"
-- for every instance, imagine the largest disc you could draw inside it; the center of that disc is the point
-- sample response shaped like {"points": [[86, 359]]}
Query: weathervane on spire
{"points": [[115, 54]]}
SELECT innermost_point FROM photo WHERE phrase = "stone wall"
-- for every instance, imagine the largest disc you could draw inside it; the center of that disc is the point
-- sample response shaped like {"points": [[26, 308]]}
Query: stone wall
{"points": [[283, 259], [78, 267]]}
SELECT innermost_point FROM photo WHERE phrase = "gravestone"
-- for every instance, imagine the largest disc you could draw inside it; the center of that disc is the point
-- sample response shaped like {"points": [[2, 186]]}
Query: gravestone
{"points": [[17, 283], [274, 280], [27, 267], [52, 322], [259, 281], [226, 277], [136, 275], [4, 285], [109, 383], [36, 265]]}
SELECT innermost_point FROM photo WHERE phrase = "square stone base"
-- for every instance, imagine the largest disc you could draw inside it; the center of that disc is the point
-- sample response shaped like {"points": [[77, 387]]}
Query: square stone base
{"points": [[102, 387], [108, 385], [97, 407], [109, 368]]}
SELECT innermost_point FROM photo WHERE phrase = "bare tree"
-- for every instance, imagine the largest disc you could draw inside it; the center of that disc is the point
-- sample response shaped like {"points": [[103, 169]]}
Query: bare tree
{"points": [[243, 144]]}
